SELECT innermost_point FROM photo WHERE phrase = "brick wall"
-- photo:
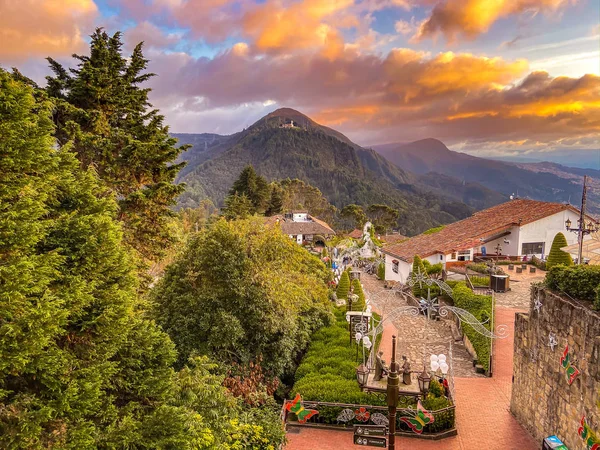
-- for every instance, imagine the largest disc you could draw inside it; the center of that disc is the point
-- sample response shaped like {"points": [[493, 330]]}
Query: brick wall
{"points": [[542, 400]]}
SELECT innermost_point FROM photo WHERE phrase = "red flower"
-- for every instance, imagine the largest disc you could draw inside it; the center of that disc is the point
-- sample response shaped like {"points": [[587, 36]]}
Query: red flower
{"points": [[362, 414]]}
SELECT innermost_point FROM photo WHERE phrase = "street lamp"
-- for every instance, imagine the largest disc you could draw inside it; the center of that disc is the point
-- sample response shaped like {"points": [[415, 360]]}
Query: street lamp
{"points": [[438, 362], [362, 374], [393, 389], [424, 379]]}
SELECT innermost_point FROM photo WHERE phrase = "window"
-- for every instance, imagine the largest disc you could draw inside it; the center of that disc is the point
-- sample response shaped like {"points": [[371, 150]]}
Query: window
{"points": [[395, 264], [453, 256], [532, 248], [441, 257], [464, 255]]}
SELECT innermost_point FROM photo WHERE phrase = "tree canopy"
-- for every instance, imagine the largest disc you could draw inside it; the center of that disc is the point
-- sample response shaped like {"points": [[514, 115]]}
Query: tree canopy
{"points": [[352, 216], [104, 115], [242, 290], [82, 366], [382, 217]]}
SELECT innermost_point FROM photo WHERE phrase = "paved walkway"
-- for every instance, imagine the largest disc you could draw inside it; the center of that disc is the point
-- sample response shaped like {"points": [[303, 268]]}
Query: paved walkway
{"points": [[483, 416]]}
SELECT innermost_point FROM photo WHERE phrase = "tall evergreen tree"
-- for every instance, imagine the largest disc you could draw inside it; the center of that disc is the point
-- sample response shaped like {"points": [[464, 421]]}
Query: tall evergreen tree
{"points": [[105, 115], [254, 187], [276, 200]]}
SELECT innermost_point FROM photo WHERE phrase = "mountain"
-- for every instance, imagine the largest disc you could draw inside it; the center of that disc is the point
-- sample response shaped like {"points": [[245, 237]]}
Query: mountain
{"points": [[548, 181], [288, 144]]}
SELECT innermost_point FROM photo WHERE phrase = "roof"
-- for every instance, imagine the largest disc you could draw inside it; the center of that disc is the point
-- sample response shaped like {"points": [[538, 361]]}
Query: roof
{"points": [[469, 232], [355, 234], [312, 226], [391, 239]]}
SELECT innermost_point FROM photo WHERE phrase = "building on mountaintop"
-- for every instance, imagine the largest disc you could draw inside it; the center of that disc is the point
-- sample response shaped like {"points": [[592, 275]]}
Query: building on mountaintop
{"points": [[517, 229], [302, 227], [287, 125]]}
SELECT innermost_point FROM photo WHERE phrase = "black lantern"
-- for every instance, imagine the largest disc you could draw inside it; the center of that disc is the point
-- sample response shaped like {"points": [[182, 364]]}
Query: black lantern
{"points": [[424, 380], [362, 374], [568, 223]]}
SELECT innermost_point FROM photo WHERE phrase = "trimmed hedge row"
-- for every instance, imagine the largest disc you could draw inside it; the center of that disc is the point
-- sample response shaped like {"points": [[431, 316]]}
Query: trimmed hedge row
{"points": [[481, 307], [580, 282]]}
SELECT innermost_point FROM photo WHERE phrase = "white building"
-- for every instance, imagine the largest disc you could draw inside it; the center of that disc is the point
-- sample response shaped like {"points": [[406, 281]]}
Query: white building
{"points": [[516, 229], [302, 227]]}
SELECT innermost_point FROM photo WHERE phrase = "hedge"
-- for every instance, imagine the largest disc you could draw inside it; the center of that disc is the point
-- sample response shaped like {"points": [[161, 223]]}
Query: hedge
{"points": [[360, 304], [556, 255], [343, 286], [381, 271], [579, 282], [481, 307]]}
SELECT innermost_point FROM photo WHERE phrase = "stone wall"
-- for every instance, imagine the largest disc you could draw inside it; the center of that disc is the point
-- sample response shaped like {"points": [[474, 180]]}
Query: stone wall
{"points": [[542, 400]]}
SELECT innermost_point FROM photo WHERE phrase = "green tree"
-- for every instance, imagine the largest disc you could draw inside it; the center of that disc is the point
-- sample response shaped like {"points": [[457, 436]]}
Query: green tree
{"points": [[418, 267], [343, 287], [299, 195], [240, 290], [254, 187], [359, 304], [81, 367], [353, 216], [237, 206], [381, 271], [557, 256], [275, 201], [104, 115], [383, 217]]}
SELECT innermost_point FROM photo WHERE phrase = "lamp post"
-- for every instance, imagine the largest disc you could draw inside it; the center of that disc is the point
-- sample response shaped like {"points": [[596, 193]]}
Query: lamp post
{"points": [[393, 387], [582, 229], [424, 380]]}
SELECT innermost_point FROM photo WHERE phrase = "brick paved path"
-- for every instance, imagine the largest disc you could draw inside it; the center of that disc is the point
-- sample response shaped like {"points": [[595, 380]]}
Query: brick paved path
{"points": [[483, 418]]}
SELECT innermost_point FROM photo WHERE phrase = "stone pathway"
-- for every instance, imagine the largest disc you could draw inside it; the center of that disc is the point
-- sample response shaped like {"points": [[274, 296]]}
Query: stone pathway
{"points": [[520, 283], [482, 414], [418, 338]]}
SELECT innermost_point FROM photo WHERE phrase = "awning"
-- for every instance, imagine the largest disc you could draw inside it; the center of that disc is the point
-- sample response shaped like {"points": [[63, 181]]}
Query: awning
{"points": [[493, 237]]}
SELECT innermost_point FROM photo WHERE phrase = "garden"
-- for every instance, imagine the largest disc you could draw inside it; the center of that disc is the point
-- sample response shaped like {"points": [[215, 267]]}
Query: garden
{"points": [[326, 380]]}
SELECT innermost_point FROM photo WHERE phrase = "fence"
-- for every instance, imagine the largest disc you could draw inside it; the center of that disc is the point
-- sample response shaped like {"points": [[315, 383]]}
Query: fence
{"points": [[343, 415]]}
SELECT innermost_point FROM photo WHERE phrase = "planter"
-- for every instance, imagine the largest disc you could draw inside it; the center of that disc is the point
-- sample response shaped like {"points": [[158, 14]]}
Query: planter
{"points": [[511, 267], [519, 270], [523, 266], [532, 269]]}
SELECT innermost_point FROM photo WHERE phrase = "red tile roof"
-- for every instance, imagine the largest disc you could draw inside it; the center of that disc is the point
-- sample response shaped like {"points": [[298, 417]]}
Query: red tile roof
{"points": [[356, 233], [467, 233]]}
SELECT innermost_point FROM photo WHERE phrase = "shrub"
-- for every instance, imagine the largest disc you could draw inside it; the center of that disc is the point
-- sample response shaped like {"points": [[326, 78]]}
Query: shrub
{"points": [[478, 267], [579, 281], [381, 271], [557, 256], [597, 301], [343, 286], [359, 305], [480, 306]]}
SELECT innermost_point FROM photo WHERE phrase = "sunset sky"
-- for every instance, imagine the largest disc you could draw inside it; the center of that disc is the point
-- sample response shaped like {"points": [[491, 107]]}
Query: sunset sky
{"points": [[489, 77]]}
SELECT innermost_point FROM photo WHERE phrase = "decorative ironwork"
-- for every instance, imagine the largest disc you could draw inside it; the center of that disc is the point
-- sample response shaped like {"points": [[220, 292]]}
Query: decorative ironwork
{"points": [[379, 419], [537, 305], [346, 415]]}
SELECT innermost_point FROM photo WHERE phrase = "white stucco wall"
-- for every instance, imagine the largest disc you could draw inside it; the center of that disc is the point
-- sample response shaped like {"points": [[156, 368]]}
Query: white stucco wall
{"points": [[511, 248], [545, 229], [434, 259], [300, 217], [403, 269]]}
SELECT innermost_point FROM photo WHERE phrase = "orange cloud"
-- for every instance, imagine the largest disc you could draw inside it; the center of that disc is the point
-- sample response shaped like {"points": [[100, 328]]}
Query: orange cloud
{"points": [[44, 27], [301, 25], [470, 18]]}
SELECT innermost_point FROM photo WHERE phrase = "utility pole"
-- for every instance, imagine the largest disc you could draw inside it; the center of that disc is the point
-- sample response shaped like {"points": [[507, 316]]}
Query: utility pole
{"points": [[393, 388], [581, 233]]}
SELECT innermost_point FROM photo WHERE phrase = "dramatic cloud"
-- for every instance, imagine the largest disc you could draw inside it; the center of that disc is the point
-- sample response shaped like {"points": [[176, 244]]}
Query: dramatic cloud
{"points": [[404, 95], [470, 18], [44, 27]]}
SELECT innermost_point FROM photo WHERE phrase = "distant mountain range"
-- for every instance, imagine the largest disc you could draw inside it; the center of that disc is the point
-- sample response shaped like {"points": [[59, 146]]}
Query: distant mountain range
{"points": [[344, 171], [427, 182], [540, 181]]}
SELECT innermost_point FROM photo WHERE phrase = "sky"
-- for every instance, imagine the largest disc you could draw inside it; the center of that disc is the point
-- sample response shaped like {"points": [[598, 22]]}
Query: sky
{"points": [[487, 77]]}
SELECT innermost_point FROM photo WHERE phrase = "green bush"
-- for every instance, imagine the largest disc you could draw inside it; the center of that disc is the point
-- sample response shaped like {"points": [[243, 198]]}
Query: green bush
{"points": [[343, 286], [597, 301], [478, 267], [381, 271], [358, 305], [557, 256], [481, 307], [579, 281]]}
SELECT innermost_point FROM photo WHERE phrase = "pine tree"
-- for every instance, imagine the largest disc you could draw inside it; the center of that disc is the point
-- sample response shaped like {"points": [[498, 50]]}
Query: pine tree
{"points": [[254, 187], [81, 367], [237, 206], [419, 268], [557, 256], [359, 304], [275, 201], [343, 286], [105, 115]]}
